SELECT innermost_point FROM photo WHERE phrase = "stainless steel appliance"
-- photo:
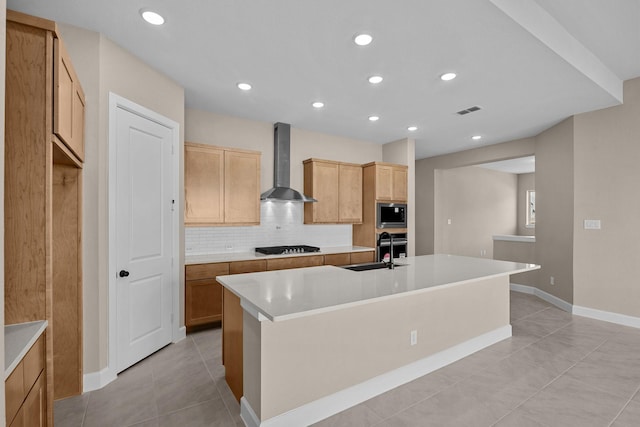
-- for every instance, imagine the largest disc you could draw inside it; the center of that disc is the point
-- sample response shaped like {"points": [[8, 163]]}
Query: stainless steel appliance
{"points": [[294, 249], [383, 246], [391, 215]]}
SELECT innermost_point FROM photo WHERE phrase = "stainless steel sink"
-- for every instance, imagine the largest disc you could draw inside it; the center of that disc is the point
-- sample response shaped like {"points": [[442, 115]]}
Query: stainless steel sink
{"points": [[369, 266]]}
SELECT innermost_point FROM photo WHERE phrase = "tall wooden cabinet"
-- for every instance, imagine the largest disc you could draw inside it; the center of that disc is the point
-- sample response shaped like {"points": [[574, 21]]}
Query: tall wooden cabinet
{"points": [[221, 185], [43, 198], [382, 182], [338, 188]]}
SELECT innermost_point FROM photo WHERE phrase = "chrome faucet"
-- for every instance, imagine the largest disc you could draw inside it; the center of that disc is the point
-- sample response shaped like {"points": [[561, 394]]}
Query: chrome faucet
{"points": [[387, 235]]}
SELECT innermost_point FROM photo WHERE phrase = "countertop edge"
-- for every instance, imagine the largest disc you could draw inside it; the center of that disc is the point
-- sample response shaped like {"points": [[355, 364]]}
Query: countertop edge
{"points": [[250, 256], [16, 348]]}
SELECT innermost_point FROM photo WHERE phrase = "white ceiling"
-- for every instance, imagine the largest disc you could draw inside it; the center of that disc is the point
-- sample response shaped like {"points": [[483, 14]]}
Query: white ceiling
{"points": [[528, 64], [516, 166]]}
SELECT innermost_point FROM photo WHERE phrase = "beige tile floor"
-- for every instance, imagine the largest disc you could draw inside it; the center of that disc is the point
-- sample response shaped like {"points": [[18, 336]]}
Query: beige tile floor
{"points": [[556, 370]]}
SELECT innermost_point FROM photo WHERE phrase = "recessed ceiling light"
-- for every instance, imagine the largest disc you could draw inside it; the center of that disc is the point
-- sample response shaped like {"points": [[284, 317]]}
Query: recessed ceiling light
{"points": [[412, 128], [476, 137], [151, 17], [374, 118], [362, 39], [318, 104], [244, 86], [375, 79], [448, 76]]}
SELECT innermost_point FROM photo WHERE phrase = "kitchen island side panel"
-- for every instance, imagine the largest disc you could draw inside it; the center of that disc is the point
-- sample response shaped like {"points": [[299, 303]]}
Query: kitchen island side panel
{"points": [[307, 358]]}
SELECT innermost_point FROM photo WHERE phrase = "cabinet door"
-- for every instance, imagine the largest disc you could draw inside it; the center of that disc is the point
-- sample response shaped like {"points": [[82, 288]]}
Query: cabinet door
{"points": [[242, 188], [399, 182], [68, 99], [321, 182], [203, 302], [384, 188], [203, 184], [34, 408], [350, 194]]}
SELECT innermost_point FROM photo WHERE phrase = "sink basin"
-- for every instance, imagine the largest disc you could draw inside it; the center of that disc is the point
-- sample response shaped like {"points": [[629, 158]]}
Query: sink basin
{"points": [[369, 266]]}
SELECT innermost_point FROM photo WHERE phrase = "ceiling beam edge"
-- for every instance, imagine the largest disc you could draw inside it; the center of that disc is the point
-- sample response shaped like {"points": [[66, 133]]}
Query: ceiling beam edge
{"points": [[537, 21]]}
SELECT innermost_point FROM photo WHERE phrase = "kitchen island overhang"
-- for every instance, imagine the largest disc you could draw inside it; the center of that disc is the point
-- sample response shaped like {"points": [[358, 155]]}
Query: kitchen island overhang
{"points": [[319, 340]]}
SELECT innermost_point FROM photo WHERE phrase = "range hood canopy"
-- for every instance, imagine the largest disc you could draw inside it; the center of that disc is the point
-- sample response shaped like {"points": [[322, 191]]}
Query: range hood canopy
{"points": [[281, 190]]}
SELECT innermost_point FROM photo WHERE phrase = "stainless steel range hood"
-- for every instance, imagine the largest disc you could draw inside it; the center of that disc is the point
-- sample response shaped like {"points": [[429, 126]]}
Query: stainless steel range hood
{"points": [[281, 190]]}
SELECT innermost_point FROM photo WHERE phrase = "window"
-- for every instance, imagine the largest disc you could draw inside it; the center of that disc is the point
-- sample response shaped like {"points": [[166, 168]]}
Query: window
{"points": [[531, 209]]}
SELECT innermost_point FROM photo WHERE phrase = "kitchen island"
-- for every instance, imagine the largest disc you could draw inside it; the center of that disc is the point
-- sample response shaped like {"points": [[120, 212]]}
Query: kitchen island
{"points": [[319, 340]]}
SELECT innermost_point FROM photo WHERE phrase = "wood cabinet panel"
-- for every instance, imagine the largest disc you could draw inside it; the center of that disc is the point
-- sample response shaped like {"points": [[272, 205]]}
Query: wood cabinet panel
{"points": [[34, 409], [14, 392], [384, 187], [203, 301], [238, 267], [241, 188], [203, 184], [232, 343], [206, 271], [337, 259], [294, 262], [68, 97], [399, 184], [337, 187], [321, 182], [362, 257]]}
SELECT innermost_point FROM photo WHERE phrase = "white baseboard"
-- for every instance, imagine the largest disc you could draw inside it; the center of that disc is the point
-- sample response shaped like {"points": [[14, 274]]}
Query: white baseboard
{"points": [[607, 316], [320, 409], [96, 380], [180, 334], [551, 299]]}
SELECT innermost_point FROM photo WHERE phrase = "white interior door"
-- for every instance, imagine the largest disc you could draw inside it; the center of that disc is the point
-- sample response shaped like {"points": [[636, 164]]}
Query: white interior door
{"points": [[143, 260]]}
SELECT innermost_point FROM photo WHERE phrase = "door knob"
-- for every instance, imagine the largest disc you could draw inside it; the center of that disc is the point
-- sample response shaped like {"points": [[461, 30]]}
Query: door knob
{"points": [[123, 273]]}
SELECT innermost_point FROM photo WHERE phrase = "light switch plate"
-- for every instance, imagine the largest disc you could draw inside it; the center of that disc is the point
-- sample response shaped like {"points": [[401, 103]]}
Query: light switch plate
{"points": [[592, 224]]}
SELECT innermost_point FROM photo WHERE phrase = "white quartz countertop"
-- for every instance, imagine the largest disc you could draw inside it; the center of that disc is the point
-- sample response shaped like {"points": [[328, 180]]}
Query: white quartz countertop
{"points": [[514, 238], [286, 294], [247, 256], [18, 339]]}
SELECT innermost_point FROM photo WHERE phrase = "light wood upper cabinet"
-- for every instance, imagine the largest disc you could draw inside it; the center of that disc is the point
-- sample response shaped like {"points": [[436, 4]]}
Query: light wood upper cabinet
{"points": [[203, 184], [222, 186], [69, 104], [338, 189], [241, 187], [391, 181]]}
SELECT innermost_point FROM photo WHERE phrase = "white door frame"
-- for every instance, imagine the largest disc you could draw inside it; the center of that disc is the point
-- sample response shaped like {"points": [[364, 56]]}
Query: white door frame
{"points": [[115, 102]]}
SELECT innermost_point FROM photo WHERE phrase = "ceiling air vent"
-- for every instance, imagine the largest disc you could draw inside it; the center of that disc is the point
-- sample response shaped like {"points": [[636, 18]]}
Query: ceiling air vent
{"points": [[468, 110]]}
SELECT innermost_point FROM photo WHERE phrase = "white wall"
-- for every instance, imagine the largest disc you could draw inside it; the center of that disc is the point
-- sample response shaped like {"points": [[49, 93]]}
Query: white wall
{"points": [[480, 204]]}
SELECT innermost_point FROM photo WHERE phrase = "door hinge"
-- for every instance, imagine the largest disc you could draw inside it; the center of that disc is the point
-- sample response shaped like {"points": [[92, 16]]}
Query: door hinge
{"points": [[173, 204]]}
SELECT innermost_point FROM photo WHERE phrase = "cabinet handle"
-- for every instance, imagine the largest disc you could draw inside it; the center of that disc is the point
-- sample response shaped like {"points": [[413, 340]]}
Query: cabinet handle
{"points": [[123, 273]]}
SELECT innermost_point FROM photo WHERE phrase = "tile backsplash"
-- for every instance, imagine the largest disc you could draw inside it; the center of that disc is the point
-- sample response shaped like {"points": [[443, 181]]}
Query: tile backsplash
{"points": [[281, 224]]}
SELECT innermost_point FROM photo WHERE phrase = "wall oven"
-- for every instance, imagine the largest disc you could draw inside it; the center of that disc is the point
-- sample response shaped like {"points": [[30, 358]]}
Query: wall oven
{"points": [[384, 246], [391, 215]]}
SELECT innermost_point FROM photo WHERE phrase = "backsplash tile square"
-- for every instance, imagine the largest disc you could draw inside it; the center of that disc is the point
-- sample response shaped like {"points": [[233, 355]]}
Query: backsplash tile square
{"points": [[281, 224]]}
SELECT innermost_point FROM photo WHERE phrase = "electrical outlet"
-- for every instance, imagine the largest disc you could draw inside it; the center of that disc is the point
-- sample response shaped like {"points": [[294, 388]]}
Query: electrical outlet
{"points": [[449, 221], [414, 337], [552, 280]]}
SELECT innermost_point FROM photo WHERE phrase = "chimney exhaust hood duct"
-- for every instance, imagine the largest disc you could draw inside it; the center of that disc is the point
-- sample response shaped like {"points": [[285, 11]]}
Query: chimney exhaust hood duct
{"points": [[281, 190]]}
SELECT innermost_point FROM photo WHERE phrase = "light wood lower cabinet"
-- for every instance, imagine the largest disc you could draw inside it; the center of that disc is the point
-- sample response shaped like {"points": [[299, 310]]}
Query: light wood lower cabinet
{"points": [[203, 294], [25, 390], [295, 262]]}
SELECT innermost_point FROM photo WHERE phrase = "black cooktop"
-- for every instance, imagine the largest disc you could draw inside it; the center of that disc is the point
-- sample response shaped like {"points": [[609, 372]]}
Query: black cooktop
{"points": [[279, 250]]}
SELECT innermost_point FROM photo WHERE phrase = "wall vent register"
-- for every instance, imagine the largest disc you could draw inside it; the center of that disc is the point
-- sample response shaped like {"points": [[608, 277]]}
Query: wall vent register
{"points": [[280, 250]]}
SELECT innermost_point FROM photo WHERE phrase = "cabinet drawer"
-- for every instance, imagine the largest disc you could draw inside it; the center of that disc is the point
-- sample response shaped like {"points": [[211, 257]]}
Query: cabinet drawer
{"points": [[362, 257], [206, 271], [294, 262], [239, 267], [337, 259]]}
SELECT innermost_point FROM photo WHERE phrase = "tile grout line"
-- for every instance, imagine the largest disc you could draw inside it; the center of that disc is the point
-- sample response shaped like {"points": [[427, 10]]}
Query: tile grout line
{"points": [[624, 407]]}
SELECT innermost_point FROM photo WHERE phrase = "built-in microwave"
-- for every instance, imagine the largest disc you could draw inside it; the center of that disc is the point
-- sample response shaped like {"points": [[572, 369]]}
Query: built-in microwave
{"points": [[391, 215]]}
